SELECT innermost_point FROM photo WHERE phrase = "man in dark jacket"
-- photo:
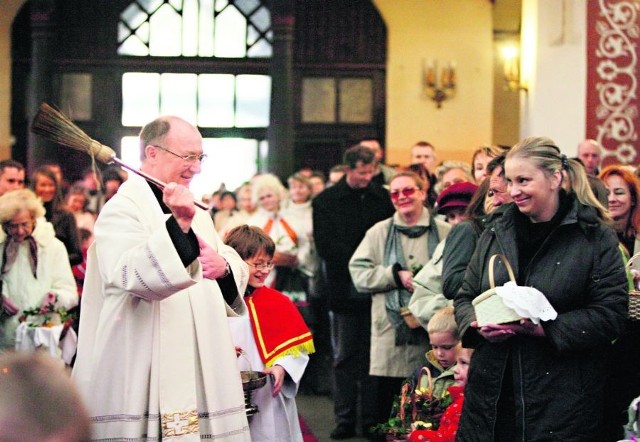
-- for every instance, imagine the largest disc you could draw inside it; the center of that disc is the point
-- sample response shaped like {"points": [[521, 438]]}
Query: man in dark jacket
{"points": [[341, 216]]}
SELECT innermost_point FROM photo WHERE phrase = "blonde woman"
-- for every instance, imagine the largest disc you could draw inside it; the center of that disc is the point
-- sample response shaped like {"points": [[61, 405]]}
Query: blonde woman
{"points": [[292, 243], [543, 381]]}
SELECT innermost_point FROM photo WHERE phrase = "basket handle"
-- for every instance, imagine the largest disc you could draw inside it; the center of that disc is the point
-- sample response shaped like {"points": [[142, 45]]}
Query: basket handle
{"points": [[507, 265]]}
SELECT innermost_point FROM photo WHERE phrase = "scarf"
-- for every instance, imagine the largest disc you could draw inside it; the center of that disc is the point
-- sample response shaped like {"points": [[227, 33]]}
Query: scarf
{"points": [[278, 327], [285, 225], [10, 254], [399, 297]]}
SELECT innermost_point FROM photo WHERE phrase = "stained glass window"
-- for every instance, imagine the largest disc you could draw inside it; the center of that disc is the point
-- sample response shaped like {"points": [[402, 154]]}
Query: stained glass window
{"points": [[190, 28]]}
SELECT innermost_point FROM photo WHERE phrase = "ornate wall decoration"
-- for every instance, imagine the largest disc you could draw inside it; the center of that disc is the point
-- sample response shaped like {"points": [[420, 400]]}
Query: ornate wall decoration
{"points": [[613, 34]]}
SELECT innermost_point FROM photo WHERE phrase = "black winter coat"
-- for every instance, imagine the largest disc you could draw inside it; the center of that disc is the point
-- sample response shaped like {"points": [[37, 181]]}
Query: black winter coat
{"points": [[557, 380], [341, 217]]}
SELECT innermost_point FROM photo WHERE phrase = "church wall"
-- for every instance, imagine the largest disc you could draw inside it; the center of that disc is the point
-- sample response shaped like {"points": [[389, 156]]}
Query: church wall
{"points": [[554, 68], [420, 30]]}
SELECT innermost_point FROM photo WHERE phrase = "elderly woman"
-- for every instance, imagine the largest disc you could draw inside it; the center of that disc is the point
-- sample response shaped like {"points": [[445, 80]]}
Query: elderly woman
{"points": [[292, 243], [543, 381], [383, 265], [451, 172], [35, 266]]}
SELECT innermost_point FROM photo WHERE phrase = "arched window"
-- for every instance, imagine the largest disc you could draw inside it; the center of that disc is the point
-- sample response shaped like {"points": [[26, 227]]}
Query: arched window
{"points": [[230, 107]]}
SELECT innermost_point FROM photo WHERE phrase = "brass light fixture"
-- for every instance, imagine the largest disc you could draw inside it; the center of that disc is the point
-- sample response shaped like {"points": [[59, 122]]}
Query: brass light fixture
{"points": [[439, 84], [511, 68]]}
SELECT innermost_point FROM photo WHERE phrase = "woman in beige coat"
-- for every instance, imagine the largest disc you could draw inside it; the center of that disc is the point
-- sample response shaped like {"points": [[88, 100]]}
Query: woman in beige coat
{"points": [[384, 264]]}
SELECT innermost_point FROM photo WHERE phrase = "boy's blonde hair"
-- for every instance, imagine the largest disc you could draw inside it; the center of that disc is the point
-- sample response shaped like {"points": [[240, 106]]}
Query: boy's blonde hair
{"points": [[444, 321]]}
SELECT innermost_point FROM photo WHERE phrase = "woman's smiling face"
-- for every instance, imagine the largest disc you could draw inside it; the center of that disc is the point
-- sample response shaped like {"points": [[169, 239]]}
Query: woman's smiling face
{"points": [[535, 193], [618, 196]]}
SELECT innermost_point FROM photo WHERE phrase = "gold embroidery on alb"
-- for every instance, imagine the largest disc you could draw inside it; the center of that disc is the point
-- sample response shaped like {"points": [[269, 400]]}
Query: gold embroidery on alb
{"points": [[179, 423]]}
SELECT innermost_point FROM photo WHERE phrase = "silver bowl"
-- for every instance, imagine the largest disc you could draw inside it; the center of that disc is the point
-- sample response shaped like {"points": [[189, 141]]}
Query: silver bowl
{"points": [[252, 380]]}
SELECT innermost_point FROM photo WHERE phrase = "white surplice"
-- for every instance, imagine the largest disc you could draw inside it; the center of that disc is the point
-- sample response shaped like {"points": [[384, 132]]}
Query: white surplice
{"points": [[277, 418], [155, 356]]}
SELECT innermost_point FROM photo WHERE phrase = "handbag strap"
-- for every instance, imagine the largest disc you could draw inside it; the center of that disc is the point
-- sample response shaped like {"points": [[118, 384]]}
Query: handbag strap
{"points": [[507, 265]]}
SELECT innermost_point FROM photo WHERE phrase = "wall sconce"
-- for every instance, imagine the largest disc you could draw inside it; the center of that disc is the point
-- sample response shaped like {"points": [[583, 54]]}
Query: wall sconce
{"points": [[511, 60], [439, 85]]}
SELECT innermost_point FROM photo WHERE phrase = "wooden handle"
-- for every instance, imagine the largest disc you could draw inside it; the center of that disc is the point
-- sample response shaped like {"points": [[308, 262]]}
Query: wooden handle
{"points": [[507, 265], [151, 179]]}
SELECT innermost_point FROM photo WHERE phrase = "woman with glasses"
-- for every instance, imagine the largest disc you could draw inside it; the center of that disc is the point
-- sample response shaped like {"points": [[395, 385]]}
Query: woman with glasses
{"points": [[35, 269], [384, 264]]}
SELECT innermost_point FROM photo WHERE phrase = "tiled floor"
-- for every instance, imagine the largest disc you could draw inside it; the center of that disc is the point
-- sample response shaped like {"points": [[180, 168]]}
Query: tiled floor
{"points": [[317, 412]]}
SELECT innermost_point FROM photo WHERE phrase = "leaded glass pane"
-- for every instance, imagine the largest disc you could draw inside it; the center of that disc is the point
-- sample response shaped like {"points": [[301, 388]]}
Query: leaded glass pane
{"points": [[76, 96], [215, 100], [140, 98], [247, 6], [130, 151], [150, 5], [123, 32], [253, 94], [356, 100], [133, 16], [143, 32], [221, 4], [133, 46], [205, 48], [190, 28], [230, 32], [261, 49], [165, 32], [318, 100], [178, 95], [262, 19], [252, 35], [231, 161]]}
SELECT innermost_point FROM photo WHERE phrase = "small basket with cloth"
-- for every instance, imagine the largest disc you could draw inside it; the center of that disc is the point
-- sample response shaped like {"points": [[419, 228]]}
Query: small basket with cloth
{"points": [[511, 302]]}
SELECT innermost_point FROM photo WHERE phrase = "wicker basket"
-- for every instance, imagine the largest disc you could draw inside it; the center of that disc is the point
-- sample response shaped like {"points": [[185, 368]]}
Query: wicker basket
{"points": [[634, 296], [488, 306]]}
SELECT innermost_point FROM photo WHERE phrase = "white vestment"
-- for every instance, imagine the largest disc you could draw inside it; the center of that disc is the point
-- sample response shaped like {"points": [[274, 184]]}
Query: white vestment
{"points": [[277, 417], [155, 357]]}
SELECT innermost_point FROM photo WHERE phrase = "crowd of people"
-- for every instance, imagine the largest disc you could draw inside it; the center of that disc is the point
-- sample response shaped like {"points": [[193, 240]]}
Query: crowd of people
{"points": [[363, 278]]}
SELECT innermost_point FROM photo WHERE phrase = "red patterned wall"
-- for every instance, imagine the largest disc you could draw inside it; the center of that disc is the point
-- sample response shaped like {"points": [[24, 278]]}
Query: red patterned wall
{"points": [[613, 45]]}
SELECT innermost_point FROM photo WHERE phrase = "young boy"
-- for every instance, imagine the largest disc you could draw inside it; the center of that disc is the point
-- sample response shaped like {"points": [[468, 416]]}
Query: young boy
{"points": [[445, 344], [449, 423], [274, 338]]}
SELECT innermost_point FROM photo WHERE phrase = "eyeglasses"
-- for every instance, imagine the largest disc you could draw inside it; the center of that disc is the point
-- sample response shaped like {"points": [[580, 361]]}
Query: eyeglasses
{"points": [[493, 192], [406, 192], [14, 227], [262, 266], [191, 158]]}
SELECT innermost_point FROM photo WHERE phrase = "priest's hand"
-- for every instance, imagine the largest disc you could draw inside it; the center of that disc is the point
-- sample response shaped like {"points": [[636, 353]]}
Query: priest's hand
{"points": [[278, 374], [179, 200], [213, 265]]}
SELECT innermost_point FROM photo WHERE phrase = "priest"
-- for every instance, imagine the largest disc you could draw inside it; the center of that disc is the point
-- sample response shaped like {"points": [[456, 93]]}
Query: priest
{"points": [[155, 358]]}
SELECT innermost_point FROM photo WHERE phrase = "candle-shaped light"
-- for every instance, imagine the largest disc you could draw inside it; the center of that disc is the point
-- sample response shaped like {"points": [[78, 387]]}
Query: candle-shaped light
{"points": [[431, 73], [452, 75]]}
